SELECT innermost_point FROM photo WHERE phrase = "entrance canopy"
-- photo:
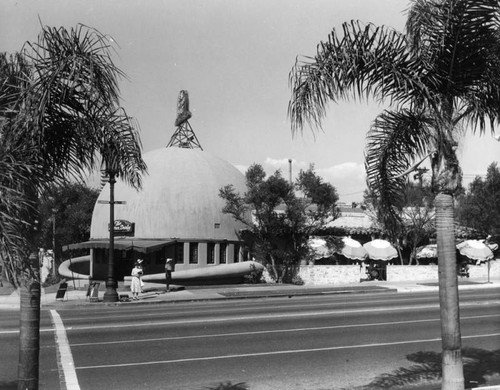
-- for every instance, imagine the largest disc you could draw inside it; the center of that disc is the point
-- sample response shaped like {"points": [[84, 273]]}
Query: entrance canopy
{"points": [[138, 245]]}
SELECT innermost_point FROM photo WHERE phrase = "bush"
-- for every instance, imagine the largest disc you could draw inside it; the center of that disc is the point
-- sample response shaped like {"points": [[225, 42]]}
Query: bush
{"points": [[51, 280], [255, 276], [297, 280]]}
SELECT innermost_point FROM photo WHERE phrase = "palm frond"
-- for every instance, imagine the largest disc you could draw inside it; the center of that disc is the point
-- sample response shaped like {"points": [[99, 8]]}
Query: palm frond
{"points": [[457, 38], [14, 74], [394, 142], [72, 105], [365, 61], [15, 209], [121, 147], [74, 66]]}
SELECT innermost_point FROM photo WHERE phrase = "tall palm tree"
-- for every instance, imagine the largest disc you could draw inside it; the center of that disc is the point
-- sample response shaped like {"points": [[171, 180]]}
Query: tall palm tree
{"points": [[438, 78], [63, 116], [13, 71]]}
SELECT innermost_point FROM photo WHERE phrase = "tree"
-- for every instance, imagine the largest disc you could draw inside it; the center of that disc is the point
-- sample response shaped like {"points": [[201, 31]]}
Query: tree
{"points": [[479, 207], [62, 117], [439, 77], [278, 221], [13, 203], [71, 205], [419, 227], [415, 223]]}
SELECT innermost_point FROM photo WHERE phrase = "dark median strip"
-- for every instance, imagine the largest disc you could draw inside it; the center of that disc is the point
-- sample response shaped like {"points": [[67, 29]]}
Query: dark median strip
{"points": [[460, 283], [315, 291]]}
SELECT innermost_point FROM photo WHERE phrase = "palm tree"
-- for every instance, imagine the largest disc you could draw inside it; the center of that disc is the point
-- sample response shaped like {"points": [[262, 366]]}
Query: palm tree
{"points": [[62, 117], [439, 77], [13, 70]]}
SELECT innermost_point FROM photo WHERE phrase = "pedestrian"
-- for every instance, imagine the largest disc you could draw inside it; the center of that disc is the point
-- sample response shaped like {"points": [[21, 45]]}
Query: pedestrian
{"points": [[135, 286], [169, 268]]}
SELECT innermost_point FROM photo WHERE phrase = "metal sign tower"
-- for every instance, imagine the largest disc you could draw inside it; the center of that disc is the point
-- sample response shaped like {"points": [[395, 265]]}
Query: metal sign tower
{"points": [[184, 136]]}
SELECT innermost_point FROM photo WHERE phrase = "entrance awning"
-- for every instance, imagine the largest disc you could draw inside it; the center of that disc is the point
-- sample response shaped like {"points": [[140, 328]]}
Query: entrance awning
{"points": [[138, 245]]}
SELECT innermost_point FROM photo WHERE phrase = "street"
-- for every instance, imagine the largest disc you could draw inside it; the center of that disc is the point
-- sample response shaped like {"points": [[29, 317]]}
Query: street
{"points": [[313, 342]]}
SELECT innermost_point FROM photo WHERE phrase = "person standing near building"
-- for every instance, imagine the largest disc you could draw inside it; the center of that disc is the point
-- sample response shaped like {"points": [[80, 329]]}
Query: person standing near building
{"points": [[169, 268], [135, 286]]}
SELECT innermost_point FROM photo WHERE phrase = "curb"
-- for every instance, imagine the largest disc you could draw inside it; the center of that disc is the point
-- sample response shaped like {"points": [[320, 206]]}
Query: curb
{"points": [[222, 293], [260, 295], [222, 297]]}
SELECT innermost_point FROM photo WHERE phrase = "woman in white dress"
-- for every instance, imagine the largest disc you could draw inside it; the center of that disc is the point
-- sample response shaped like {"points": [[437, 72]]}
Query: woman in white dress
{"points": [[135, 286]]}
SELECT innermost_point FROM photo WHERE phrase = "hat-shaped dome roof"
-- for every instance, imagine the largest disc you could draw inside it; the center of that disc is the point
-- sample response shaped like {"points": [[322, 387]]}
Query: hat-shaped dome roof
{"points": [[179, 198]]}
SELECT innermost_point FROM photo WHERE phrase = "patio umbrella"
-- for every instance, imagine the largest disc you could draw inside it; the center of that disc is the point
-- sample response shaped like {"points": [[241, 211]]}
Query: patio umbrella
{"points": [[353, 249], [320, 247], [427, 251], [380, 250], [475, 250]]}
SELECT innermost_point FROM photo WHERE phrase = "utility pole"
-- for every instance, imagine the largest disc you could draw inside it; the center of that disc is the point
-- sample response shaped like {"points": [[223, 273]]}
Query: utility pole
{"points": [[111, 295]]}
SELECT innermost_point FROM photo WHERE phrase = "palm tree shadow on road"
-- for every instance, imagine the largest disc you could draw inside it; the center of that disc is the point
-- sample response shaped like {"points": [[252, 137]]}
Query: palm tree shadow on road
{"points": [[8, 385], [479, 364], [228, 386]]}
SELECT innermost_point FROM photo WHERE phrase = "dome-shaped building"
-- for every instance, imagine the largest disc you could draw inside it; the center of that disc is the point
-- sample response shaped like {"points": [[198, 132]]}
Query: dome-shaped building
{"points": [[179, 198], [177, 214]]}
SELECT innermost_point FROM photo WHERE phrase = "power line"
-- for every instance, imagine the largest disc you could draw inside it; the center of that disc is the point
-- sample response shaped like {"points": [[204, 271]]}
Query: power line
{"points": [[352, 193]]}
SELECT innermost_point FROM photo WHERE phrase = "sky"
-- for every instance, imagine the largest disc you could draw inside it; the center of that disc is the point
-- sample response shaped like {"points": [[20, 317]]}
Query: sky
{"points": [[234, 58]]}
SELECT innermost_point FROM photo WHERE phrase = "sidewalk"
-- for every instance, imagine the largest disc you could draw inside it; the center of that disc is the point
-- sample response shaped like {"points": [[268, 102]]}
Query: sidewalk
{"points": [[155, 293]]}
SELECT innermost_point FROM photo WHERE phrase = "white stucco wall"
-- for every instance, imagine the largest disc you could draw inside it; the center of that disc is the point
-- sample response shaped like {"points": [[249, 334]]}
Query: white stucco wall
{"points": [[347, 274], [330, 274]]}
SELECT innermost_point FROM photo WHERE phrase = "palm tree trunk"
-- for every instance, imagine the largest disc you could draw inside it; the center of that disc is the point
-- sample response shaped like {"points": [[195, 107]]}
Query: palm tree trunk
{"points": [[452, 366], [273, 267], [400, 254], [29, 331]]}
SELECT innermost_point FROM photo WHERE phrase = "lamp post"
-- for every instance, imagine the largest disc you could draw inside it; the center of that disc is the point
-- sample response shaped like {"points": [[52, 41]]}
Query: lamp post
{"points": [[111, 295], [54, 211]]}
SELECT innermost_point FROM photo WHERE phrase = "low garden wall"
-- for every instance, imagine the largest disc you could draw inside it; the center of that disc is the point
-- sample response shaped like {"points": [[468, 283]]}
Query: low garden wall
{"points": [[345, 274], [330, 274], [402, 273]]}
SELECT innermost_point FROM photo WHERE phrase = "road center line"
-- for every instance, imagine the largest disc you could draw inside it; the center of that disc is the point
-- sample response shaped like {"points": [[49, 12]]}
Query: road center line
{"points": [[285, 352], [143, 324], [146, 312], [256, 317], [233, 334], [64, 356]]}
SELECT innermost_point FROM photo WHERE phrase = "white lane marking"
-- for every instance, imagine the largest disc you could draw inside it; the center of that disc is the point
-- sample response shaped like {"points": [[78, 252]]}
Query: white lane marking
{"points": [[284, 352], [267, 316], [146, 311], [64, 357], [263, 316], [373, 324]]}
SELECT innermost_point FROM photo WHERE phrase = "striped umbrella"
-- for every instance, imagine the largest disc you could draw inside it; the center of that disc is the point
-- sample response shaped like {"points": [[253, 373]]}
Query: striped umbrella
{"points": [[320, 247], [353, 249], [427, 251], [475, 250], [380, 250]]}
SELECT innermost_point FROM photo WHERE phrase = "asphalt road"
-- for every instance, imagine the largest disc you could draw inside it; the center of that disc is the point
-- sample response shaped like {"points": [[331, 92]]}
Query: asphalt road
{"points": [[325, 342]]}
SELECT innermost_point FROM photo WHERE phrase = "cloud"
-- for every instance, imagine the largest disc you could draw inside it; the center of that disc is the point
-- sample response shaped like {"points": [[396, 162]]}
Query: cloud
{"points": [[344, 171], [272, 164], [348, 178]]}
